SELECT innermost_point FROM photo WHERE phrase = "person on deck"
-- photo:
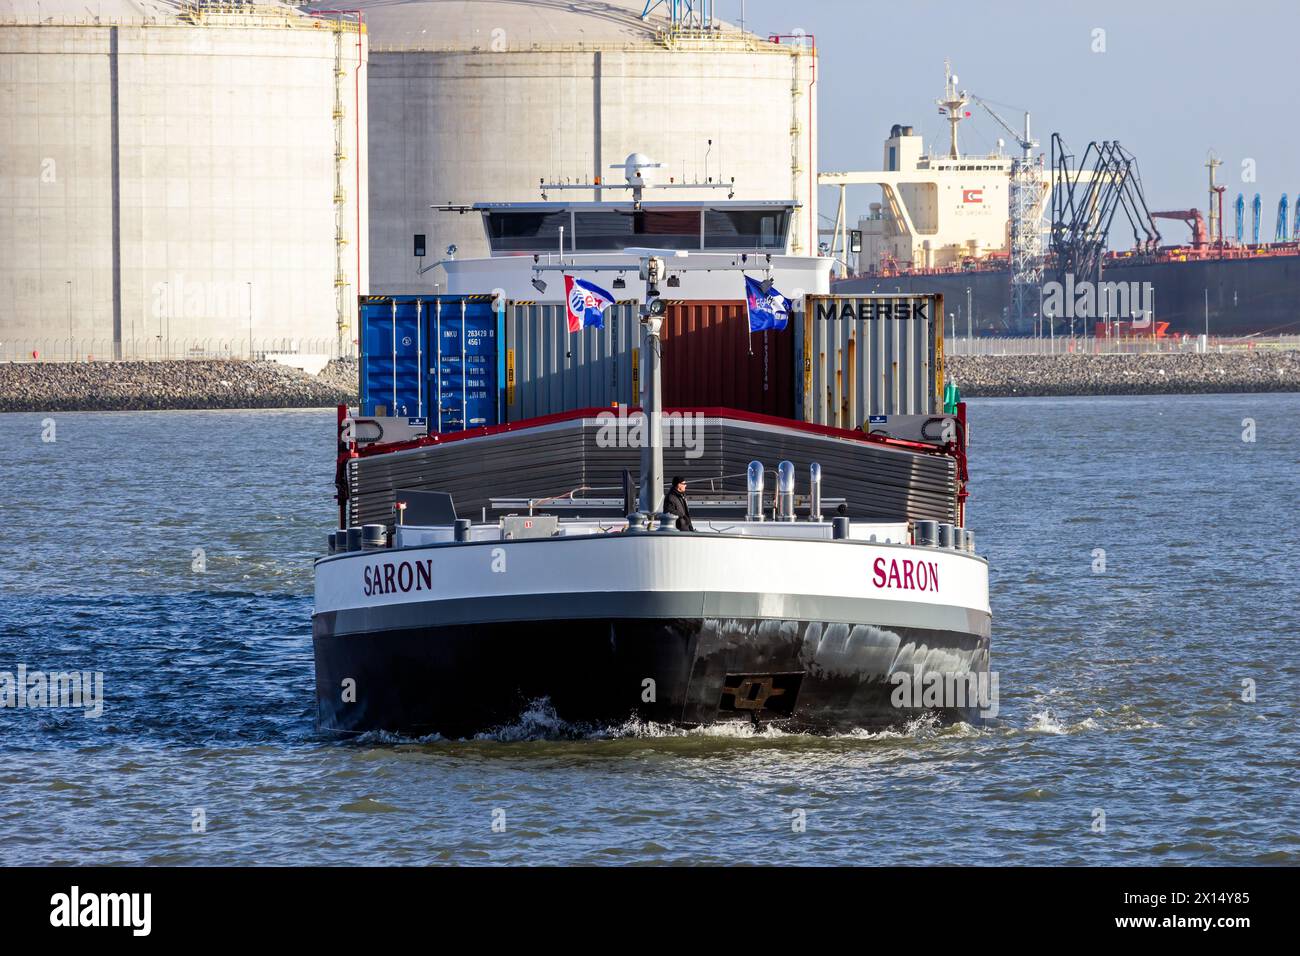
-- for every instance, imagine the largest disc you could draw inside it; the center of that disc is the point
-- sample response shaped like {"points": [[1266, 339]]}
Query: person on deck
{"points": [[675, 504]]}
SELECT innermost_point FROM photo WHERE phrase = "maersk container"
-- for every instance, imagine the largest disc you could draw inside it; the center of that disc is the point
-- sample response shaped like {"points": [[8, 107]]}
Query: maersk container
{"points": [[864, 355], [549, 369], [711, 359], [432, 357]]}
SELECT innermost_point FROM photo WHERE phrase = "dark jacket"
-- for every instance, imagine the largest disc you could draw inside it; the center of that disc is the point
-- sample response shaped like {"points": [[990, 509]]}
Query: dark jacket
{"points": [[675, 504]]}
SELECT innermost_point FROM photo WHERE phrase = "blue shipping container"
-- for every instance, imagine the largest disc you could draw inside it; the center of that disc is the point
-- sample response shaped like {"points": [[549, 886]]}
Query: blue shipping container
{"points": [[433, 357]]}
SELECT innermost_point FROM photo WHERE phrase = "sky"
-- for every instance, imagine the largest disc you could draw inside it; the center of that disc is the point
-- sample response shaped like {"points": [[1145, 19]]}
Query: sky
{"points": [[1175, 80]]}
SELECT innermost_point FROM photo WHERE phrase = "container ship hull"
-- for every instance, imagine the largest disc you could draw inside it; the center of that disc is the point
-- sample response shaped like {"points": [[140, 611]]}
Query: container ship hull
{"points": [[632, 642], [593, 673], [1247, 296]]}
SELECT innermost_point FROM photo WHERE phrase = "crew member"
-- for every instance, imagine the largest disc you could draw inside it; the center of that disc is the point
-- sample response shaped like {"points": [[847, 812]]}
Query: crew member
{"points": [[675, 504]]}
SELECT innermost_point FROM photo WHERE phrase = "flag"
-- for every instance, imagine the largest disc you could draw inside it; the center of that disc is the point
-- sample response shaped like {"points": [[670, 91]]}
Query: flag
{"points": [[768, 310], [586, 303]]}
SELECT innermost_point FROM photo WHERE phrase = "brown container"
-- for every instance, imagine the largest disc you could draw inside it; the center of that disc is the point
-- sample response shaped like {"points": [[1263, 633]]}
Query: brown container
{"points": [[710, 359]]}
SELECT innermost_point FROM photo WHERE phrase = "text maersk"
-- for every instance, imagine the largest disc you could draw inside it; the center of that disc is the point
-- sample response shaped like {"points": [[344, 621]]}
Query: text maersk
{"points": [[871, 309]]}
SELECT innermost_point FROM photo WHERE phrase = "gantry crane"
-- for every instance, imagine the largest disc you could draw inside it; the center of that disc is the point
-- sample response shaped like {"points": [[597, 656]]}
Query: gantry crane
{"points": [[1025, 199]]}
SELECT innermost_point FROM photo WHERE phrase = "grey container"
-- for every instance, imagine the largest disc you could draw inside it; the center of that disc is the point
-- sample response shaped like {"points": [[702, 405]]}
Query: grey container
{"points": [[354, 538], [864, 355], [947, 535], [374, 536], [549, 369]]}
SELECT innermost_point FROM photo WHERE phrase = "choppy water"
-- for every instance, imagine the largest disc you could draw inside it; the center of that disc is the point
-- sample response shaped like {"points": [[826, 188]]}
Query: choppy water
{"points": [[1120, 691]]}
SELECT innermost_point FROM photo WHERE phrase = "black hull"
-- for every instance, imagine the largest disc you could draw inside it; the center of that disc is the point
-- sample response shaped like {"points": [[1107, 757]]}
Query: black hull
{"points": [[466, 679], [1246, 296]]}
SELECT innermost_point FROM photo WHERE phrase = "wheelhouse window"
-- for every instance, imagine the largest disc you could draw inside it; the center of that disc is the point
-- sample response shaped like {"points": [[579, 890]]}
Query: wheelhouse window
{"points": [[745, 228], [527, 231], [602, 230]]}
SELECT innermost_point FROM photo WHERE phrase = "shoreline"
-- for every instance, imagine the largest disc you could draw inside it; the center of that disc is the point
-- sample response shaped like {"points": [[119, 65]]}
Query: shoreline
{"points": [[231, 384], [1148, 373]]}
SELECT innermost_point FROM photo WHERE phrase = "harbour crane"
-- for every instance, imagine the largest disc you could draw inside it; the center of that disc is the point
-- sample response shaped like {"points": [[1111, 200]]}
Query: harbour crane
{"points": [[1279, 233], [1085, 198], [1256, 213], [1024, 197], [1241, 217]]}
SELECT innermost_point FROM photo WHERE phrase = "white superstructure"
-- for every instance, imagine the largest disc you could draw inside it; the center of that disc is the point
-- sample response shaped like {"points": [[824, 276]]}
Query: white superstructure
{"points": [[936, 210], [179, 178]]}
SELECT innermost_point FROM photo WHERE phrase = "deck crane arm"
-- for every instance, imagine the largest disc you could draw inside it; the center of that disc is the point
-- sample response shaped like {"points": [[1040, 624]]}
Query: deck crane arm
{"points": [[1194, 220], [1021, 139]]}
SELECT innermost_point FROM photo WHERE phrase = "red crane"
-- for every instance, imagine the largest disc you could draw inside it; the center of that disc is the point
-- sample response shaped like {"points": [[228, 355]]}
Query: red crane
{"points": [[1193, 218]]}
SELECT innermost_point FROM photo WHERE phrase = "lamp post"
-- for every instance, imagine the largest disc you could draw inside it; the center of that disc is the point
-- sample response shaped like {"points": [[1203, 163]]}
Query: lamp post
{"points": [[250, 320], [162, 311], [69, 282], [968, 321]]}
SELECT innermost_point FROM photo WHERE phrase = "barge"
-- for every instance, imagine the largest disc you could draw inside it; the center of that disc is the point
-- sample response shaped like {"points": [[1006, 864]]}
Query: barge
{"points": [[825, 573]]}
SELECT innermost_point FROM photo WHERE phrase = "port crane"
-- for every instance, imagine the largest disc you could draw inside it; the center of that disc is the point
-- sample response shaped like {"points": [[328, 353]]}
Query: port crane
{"points": [[1025, 199], [1085, 198]]}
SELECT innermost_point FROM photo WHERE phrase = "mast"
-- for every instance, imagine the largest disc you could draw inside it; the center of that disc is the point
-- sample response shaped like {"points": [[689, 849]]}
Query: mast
{"points": [[954, 105]]}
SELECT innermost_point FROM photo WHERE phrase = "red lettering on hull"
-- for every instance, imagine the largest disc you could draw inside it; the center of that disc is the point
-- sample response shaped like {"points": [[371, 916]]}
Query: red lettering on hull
{"points": [[905, 574]]}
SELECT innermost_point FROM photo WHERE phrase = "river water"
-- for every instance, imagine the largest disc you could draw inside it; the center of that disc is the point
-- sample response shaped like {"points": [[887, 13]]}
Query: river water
{"points": [[1122, 738]]}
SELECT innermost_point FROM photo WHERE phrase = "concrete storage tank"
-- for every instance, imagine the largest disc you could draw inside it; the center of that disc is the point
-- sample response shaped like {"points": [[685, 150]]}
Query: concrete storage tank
{"points": [[479, 100], [179, 178]]}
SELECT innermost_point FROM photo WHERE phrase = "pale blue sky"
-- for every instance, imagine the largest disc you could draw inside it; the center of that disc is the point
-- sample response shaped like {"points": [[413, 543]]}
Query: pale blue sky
{"points": [[1177, 79]]}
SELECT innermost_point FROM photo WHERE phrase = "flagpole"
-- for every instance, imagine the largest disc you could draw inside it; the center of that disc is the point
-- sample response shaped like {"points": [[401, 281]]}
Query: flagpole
{"points": [[652, 450], [748, 323]]}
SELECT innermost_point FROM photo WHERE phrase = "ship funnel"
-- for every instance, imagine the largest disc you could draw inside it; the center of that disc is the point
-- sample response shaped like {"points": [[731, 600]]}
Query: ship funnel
{"points": [[754, 488], [814, 492], [785, 491]]}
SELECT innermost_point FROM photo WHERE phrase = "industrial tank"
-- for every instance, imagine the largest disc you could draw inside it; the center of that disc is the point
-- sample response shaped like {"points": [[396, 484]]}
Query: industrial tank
{"points": [[482, 100], [179, 178]]}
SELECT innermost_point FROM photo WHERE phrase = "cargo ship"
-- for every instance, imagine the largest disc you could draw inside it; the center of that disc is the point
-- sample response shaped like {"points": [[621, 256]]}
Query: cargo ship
{"points": [[504, 534], [944, 223]]}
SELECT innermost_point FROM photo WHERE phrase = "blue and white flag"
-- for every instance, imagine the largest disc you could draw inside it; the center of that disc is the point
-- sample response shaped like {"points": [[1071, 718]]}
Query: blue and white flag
{"points": [[767, 310], [586, 303]]}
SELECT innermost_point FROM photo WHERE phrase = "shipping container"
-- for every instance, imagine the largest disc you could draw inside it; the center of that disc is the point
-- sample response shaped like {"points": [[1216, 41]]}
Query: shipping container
{"points": [[432, 357], [549, 370], [864, 355], [524, 363], [711, 359]]}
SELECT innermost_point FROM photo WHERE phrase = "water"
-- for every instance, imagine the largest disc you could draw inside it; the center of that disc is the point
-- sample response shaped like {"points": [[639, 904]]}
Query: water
{"points": [[1120, 691]]}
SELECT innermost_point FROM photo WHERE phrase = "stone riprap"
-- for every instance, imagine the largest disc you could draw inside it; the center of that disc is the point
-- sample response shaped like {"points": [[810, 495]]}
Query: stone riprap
{"points": [[137, 386], [1248, 370]]}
